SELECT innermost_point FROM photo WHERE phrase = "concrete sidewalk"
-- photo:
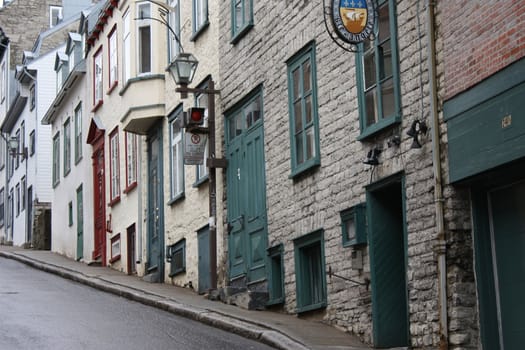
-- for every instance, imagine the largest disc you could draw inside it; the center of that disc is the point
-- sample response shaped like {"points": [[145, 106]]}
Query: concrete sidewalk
{"points": [[275, 329]]}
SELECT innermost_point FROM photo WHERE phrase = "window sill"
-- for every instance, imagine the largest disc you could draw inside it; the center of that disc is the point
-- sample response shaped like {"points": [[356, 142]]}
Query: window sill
{"points": [[77, 160], [177, 198], [66, 173], [200, 181], [177, 272], [199, 31], [114, 201], [237, 37], [114, 259], [378, 127], [112, 87], [311, 307], [97, 106], [55, 184], [130, 187], [305, 169]]}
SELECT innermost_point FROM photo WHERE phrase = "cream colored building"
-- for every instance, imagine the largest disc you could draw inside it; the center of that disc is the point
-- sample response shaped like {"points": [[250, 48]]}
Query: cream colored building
{"points": [[126, 55], [186, 187]]}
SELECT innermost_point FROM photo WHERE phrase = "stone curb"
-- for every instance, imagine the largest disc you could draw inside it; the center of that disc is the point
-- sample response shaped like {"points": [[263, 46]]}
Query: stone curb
{"points": [[215, 319]]}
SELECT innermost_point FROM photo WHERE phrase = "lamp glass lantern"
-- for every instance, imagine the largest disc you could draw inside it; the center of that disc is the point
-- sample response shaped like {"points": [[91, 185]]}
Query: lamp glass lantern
{"points": [[183, 68], [13, 144]]}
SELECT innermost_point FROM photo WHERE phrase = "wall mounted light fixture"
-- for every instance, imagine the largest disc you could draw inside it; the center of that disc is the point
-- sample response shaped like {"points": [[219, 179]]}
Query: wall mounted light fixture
{"points": [[418, 127], [372, 156]]}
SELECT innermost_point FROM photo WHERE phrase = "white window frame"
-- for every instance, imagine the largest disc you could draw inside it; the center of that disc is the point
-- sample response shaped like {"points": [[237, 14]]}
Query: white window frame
{"points": [[114, 167], [97, 77], [142, 25], [67, 146], [113, 58], [3, 82], [176, 157], [131, 159], [200, 15], [126, 50], [58, 15], [174, 22], [78, 132], [56, 159]]}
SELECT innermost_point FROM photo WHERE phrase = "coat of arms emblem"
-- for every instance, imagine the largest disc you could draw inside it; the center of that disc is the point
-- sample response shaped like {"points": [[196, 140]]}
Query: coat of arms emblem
{"points": [[353, 19]]}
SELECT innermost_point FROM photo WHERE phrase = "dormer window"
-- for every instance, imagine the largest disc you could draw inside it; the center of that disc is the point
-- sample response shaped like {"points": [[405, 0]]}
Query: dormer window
{"points": [[55, 15], [71, 58], [62, 69]]}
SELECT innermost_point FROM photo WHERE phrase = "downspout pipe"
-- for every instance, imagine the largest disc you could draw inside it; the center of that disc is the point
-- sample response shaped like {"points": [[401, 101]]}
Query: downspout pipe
{"points": [[441, 244]]}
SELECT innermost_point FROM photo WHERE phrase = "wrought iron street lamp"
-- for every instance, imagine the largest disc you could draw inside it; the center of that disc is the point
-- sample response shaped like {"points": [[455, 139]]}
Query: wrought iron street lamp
{"points": [[183, 70]]}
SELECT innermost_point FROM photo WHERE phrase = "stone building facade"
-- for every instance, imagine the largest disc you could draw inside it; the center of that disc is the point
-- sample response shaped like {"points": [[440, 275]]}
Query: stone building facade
{"points": [[442, 50]]}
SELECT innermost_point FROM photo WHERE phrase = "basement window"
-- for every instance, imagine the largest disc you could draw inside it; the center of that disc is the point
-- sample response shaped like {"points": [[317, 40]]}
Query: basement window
{"points": [[275, 275], [176, 256]]}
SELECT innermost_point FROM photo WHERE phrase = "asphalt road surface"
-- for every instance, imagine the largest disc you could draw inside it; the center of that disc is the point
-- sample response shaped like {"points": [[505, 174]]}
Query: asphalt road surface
{"points": [[43, 311]]}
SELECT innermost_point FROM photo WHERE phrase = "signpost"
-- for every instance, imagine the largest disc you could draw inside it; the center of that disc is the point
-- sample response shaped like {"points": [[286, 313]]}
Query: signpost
{"points": [[194, 148]]}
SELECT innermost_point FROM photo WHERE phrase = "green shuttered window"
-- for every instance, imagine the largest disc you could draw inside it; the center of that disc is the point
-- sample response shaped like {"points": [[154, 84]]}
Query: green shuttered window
{"points": [[302, 104], [378, 75]]}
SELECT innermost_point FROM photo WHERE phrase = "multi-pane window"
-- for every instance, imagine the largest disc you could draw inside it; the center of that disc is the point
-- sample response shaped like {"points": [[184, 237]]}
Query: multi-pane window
{"points": [[176, 156], [131, 159], [10, 210], [126, 52], [24, 191], [200, 14], [32, 97], [377, 75], [241, 17], [78, 132], [246, 117], [144, 37], [22, 139], [17, 199], [17, 150], [112, 53], [2, 207], [67, 146], [174, 22], [56, 159], [310, 271], [201, 100], [97, 78], [3, 82], [55, 15], [114, 168], [32, 142], [304, 123]]}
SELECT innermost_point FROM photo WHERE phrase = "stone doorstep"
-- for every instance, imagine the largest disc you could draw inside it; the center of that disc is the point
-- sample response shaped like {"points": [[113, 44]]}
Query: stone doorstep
{"points": [[242, 297]]}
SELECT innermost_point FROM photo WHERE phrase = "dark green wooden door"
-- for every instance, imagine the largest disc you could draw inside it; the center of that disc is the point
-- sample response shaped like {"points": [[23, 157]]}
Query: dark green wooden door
{"points": [[246, 190], [388, 265], [507, 211], [236, 240], [80, 224], [203, 237], [155, 244]]}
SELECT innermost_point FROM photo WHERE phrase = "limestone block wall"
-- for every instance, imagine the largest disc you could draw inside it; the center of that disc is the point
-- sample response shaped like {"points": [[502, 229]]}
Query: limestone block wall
{"points": [[22, 21], [315, 200]]}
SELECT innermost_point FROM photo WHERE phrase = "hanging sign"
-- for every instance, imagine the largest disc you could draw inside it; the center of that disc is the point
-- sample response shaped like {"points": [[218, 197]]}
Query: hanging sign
{"points": [[194, 147], [353, 19]]}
